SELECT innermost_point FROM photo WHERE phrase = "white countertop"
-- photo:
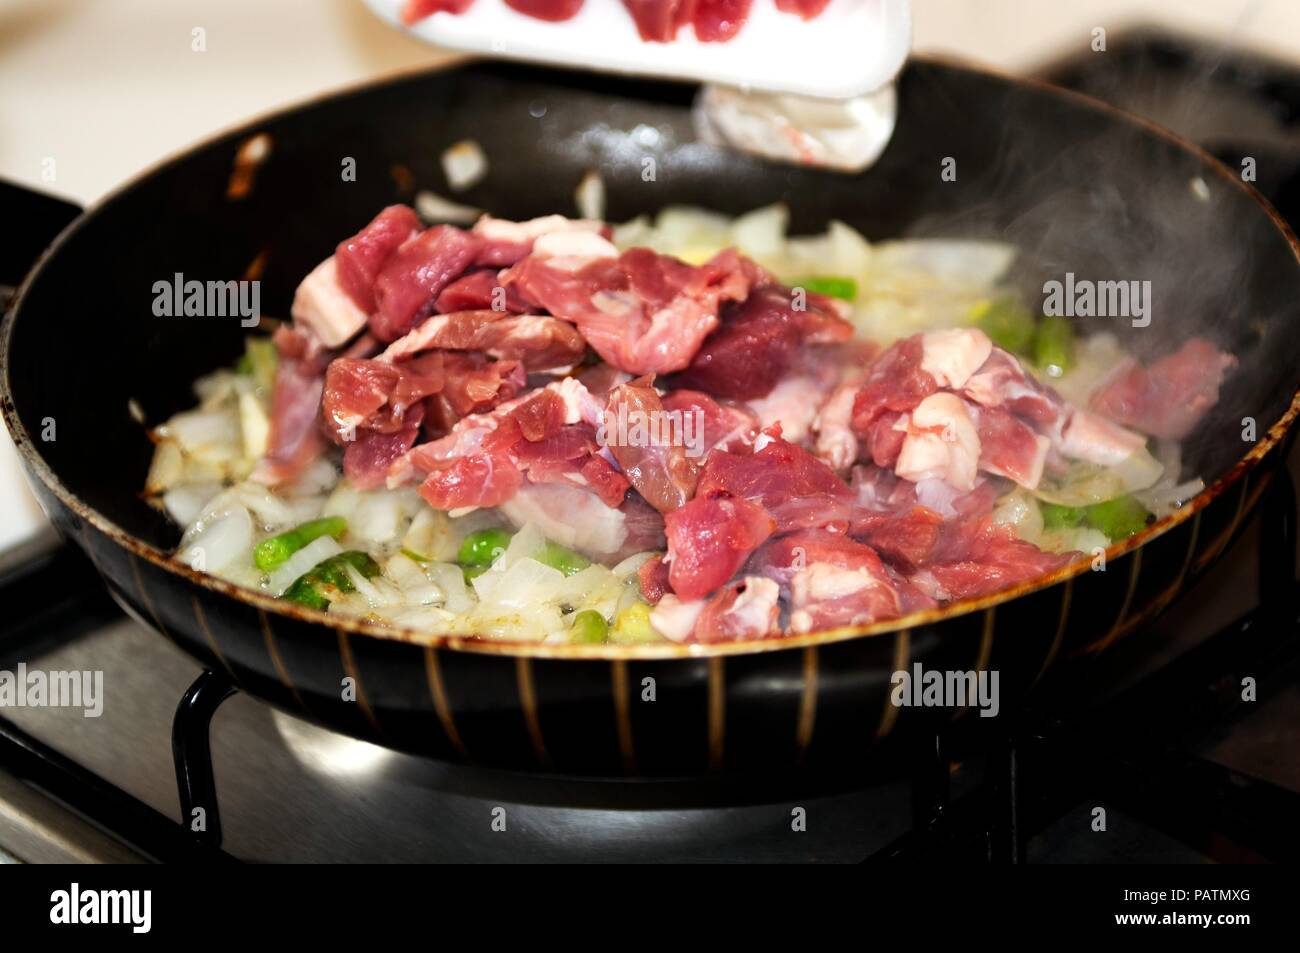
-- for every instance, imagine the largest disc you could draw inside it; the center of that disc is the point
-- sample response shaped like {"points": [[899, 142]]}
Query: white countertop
{"points": [[107, 87]]}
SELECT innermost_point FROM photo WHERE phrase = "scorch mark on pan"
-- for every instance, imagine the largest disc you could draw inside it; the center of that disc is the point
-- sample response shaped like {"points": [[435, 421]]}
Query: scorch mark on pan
{"points": [[902, 653], [528, 702], [1117, 629], [1067, 595], [807, 704], [277, 662], [349, 662], [145, 600], [208, 635], [1215, 548], [438, 692], [252, 152], [623, 714], [1168, 596], [984, 653], [717, 713]]}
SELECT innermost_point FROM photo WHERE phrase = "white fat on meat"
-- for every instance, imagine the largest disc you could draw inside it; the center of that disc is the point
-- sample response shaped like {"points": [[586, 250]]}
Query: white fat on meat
{"points": [[322, 306], [579, 404], [504, 230], [570, 251], [826, 582], [755, 609], [674, 618], [836, 442], [941, 443], [793, 403], [570, 516], [1093, 438], [952, 355], [938, 495]]}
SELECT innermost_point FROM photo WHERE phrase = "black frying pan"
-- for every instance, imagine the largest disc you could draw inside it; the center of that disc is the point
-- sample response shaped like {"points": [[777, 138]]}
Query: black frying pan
{"points": [[1080, 187]]}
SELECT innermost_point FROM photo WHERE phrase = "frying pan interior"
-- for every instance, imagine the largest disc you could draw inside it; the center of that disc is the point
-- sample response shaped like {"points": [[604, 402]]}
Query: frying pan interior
{"points": [[1078, 188]]}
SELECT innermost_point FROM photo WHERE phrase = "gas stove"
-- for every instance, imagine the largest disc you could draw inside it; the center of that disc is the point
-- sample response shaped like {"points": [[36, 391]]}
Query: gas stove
{"points": [[1186, 770]]}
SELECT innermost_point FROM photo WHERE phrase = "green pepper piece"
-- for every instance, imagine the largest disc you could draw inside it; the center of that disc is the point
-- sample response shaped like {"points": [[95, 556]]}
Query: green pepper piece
{"points": [[311, 589], [1008, 323], [1056, 516], [632, 625], [1119, 518], [589, 627], [1054, 345], [261, 360], [305, 594], [565, 560], [473, 572], [482, 548], [270, 553], [832, 286]]}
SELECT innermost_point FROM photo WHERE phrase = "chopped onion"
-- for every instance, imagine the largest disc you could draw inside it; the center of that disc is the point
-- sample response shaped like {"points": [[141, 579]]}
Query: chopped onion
{"points": [[254, 425], [221, 542], [524, 544], [271, 511], [523, 585], [1020, 511], [430, 535], [450, 578], [302, 562], [1086, 485], [166, 469], [434, 208], [1083, 539], [380, 515], [184, 503], [972, 263], [761, 233], [211, 435], [628, 567], [1095, 359], [465, 164], [589, 197]]}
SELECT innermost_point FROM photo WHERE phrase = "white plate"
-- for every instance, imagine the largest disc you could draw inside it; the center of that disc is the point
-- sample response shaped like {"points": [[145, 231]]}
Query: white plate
{"points": [[854, 46]]}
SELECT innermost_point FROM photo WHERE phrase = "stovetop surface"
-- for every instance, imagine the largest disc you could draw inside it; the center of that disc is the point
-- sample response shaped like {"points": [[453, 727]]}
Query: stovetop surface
{"points": [[290, 791]]}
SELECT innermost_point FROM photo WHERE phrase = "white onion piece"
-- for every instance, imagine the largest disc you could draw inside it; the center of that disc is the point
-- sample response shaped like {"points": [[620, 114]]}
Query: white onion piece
{"points": [[1082, 539], [629, 566], [430, 535], [213, 435], [968, 262], [319, 477], [450, 578], [379, 516], [1096, 485], [184, 503], [434, 208], [302, 562], [220, 543], [465, 164], [271, 511], [589, 197], [570, 516], [526, 584], [254, 425], [166, 469], [525, 544], [1020, 511], [761, 233]]}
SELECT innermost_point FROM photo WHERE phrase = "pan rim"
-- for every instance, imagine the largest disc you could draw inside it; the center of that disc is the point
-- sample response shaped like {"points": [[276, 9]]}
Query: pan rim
{"points": [[36, 465]]}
